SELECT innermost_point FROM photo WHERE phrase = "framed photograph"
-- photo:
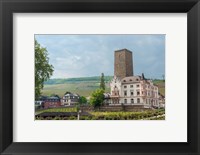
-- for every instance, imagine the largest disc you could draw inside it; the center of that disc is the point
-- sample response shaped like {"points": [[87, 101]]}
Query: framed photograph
{"points": [[99, 77]]}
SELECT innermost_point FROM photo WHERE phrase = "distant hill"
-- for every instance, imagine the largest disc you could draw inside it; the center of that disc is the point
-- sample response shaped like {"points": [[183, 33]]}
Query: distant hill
{"points": [[77, 80], [84, 85]]}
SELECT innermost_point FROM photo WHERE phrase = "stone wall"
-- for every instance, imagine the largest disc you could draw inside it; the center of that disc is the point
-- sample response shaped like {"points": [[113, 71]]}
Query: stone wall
{"points": [[123, 65]]}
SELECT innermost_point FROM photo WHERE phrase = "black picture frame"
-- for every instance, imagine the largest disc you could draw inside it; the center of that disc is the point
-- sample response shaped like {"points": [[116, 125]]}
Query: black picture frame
{"points": [[8, 7]]}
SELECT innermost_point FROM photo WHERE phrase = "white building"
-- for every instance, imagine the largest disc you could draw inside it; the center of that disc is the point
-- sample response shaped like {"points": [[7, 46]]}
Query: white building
{"points": [[70, 99], [134, 90]]}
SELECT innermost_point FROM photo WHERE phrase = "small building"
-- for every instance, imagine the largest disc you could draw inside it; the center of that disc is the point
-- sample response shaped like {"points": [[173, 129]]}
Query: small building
{"points": [[107, 99], [70, 99], [161, 101], [40, 102], [51, 102]]}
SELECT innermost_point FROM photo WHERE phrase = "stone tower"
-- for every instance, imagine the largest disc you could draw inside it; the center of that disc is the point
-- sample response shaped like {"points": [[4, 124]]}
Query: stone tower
{"points": [[123, 66]]}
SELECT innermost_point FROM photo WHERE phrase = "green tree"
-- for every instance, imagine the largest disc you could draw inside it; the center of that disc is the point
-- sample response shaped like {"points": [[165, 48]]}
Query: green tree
{"points": [[82, 100], [43, 70], [97, 98], [102, 82]]}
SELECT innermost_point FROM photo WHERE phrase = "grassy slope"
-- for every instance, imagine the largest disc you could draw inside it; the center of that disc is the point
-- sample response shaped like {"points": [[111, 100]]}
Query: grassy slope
{"points": [[82, 86], [161, 86]]}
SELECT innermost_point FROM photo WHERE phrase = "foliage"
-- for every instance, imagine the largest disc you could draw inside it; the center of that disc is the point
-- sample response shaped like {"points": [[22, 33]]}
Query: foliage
{"points": [[82, 100], [43, 70], [145, 115], [77, 108], [102, 82], [64, 109], [97, 98]]}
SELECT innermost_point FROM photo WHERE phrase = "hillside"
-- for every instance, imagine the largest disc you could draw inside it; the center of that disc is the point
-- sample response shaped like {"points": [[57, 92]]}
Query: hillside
{"points": [[83, 85], [77, 80]]}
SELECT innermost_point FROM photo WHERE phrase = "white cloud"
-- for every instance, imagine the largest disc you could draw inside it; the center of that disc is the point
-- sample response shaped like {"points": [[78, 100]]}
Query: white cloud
{"points": [[90, 55]]}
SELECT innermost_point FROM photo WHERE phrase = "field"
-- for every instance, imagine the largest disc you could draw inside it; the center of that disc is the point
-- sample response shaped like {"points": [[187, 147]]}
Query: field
{"points": [[83, 86]]}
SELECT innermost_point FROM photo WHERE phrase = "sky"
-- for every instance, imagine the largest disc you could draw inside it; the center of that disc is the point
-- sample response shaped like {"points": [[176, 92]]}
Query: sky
{"points": [[91, 55]]}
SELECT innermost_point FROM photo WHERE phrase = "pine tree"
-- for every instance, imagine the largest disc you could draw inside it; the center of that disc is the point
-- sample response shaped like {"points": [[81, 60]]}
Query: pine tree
{"points": [[102, 83]]}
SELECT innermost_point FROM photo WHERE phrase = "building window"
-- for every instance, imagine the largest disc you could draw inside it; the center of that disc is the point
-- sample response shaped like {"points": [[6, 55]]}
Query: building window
{"points": [[131, 93], [125, 86], [138, 100], [138, 85], [131, 86], [125, 100], [124, 80], [125, 93], [138, 93], [132, 100]]}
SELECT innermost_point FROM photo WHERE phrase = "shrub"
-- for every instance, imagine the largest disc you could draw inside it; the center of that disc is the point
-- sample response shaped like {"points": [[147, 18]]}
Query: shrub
{"points": [[57, 118], [48, 118], [72, 118]]}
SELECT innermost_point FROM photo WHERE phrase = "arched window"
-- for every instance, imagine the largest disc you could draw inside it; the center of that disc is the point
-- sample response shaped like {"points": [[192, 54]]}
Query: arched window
{"points": [[125, 101], [132, 100]]}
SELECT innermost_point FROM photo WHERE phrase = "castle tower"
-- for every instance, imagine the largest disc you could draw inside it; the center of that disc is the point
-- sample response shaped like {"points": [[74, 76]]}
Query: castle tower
{"points": [[123, 66]]}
